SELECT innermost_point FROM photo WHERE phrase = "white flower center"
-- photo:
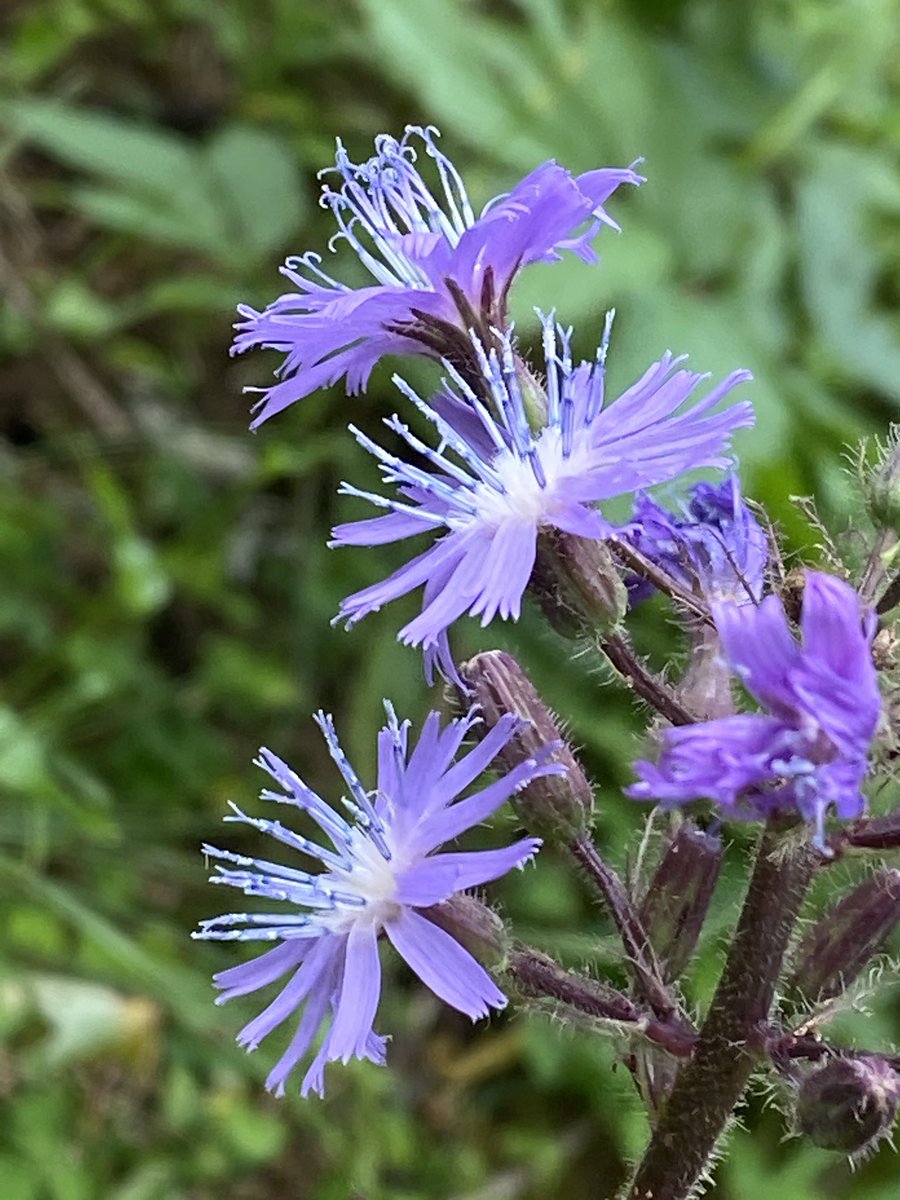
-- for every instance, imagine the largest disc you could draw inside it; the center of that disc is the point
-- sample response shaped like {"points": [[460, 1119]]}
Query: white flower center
{"points": [[371, 878], [524, 499]]}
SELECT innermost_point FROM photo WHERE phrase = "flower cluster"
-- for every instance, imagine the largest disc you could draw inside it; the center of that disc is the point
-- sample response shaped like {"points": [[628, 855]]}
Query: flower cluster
{"points": [[506, 470], [494, 482]]}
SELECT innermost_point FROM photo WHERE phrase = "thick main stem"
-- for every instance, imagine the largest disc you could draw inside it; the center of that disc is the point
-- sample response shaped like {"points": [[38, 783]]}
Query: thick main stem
{"points": [[709, 1086]]}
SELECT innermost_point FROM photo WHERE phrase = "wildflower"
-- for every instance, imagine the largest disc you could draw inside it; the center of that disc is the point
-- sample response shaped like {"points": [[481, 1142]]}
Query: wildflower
{"points": [[809, 751], [379, 874], [439, 270], [717, 548], [493, 482]]}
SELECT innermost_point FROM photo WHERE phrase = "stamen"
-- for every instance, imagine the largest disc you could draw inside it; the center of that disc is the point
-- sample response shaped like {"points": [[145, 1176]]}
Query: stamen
{"points": [[567, 425], [229, 919], [309, 262], [548, 338], [330, 822], [273, 933], [422, 514], [598, 372], [397, 471], [449, 437], [243, 860], [373, 823], [278, 831], [251, 884]]}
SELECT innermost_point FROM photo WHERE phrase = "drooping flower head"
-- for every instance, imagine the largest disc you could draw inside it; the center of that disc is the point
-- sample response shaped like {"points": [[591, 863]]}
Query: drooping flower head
{"points": [[438, 270], [809, 750], [379, 870], [716, 548], [494, 482]]}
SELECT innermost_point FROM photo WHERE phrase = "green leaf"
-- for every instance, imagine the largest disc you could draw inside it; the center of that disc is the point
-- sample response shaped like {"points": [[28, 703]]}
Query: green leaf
{"points": [[237, 198], [140, 155], [155, 218], [840, 264], [255, 175]]}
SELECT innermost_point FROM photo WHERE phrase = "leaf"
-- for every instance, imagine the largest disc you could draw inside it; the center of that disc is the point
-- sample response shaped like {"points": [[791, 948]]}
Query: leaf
{"points": [[840, 264], [237, 198], [256, 177], [147, 158], [152, 219], [83, 1017], [181, 991], [469, 86]]}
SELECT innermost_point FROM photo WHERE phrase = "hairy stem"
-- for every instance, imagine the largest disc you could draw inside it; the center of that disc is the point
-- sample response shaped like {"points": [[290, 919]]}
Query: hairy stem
{"points": [[627, 922], [876, 569], [538, 975], [644, 682], [662, 580], [709, 1086]]}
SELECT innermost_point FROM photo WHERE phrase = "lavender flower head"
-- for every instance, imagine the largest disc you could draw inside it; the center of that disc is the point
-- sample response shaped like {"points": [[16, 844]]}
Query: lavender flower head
{"points": [[438, 269], [809, 751], [379, 872], [717, 548], [494, 482]]}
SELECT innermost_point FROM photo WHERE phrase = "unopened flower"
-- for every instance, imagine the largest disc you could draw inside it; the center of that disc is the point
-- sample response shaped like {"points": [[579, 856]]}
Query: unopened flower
{"points": [[379, 870], [438, 270], [849, 1104], [847, 938], [716, 548], [809, 751], [494, 482]]}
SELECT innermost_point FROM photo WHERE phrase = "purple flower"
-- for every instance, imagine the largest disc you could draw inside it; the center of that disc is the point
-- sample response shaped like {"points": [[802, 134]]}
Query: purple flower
{"points": [[494, 482], [717, 548], [379, 872], [439, 270], [809, 750]]}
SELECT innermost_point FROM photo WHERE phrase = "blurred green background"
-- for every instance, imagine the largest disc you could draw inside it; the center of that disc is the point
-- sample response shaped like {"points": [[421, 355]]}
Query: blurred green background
{"points": [[165, 591]]}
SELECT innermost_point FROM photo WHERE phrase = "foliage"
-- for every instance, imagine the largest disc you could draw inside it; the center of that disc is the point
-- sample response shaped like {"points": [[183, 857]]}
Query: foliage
{"points": [[166, 587]]}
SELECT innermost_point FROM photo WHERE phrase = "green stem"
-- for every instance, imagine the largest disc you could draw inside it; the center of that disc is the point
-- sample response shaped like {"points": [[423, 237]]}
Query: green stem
{"points": [[710, 1085]]}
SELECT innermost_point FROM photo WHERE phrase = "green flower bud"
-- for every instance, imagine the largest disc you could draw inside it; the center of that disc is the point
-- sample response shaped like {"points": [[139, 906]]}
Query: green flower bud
{"points": [[882, 492], [474, 926], [534, 398], [555, 806], [578, 584]]}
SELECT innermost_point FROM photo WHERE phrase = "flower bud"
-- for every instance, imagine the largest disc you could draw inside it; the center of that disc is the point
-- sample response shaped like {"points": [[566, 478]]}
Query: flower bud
{"points": [[847, 938], [879, 833], [882, 493], [849, 1104], [577, 583], [474, 926], [555, 806], [534, 398], [677, 900]]}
